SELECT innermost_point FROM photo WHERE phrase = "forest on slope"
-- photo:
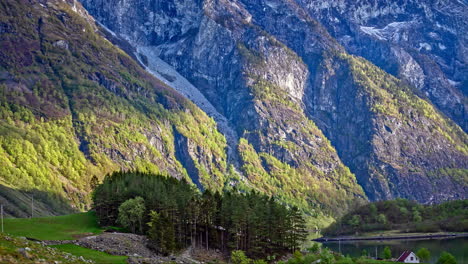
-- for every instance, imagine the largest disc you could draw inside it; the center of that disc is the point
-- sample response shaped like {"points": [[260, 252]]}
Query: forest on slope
{"points": [[403, 215]]}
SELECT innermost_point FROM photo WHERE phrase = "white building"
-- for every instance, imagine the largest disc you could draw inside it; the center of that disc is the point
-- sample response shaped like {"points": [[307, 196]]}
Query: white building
{"points": [[408, 257]]}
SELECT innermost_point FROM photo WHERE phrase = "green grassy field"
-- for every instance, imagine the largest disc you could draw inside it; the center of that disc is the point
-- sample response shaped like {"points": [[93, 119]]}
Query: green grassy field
{"points": [[97, 256], [65, 227], [373, 261]]}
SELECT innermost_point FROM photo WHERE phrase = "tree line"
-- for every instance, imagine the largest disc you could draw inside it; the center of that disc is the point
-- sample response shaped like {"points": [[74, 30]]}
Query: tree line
{"points": [[405, 215], [175, 214]]}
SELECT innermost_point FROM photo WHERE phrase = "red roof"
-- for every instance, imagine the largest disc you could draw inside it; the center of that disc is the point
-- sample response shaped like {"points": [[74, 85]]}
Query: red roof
{"points": [[404, 256]]}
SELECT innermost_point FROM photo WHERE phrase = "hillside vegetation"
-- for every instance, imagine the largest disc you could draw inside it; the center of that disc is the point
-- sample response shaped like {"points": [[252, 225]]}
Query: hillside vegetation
{"points": [[403, 215], [74, 107], [13, 251]]}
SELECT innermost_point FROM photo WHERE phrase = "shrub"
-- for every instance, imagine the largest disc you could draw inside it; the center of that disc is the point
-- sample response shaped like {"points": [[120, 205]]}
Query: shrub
{"points": [[446, 258], [387, 253], [239, 257], [423, 254]]}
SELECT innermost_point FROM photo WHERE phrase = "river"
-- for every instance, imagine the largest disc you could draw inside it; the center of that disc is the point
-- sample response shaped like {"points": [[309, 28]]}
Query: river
{"points": [[456, 246]]}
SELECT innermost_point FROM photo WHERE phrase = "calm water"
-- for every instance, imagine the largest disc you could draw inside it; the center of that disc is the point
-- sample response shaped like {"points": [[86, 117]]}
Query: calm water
{"points": [[456, 246]]}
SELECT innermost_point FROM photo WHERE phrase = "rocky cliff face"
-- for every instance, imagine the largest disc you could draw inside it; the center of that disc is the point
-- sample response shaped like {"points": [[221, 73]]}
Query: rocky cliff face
{"points": [[395, 142], [421, 42], [253, 81], [278, 78]]}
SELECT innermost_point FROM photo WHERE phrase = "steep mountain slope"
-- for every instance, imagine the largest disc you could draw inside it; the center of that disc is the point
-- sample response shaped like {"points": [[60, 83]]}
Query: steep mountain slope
{"points": [[397, 143], [74, 107], [422, 42], [272, 71], [254, 81]]}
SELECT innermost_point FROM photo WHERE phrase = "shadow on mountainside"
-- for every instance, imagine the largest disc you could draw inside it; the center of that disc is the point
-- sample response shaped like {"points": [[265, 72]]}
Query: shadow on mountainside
{"points": [[17, 203]]}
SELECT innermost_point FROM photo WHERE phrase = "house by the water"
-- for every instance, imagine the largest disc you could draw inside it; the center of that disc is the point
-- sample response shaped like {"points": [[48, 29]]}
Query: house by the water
{"points": [[408, 257]]}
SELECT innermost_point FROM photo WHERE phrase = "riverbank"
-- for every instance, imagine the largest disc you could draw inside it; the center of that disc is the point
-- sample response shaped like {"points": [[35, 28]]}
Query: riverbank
{"points": [[391, 237]]}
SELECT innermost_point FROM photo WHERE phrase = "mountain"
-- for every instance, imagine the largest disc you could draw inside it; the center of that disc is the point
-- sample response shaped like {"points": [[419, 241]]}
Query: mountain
{"points": [[260, 95], [280, 72], [423, 43], [74, 107]]}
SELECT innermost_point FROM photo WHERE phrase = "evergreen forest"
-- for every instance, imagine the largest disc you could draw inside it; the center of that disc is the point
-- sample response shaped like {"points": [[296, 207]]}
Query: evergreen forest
{"points": [[175, 214]]}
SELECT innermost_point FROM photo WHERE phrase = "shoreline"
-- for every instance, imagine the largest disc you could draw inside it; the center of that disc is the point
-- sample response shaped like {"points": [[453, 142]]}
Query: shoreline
{"points": [[396, 237]]}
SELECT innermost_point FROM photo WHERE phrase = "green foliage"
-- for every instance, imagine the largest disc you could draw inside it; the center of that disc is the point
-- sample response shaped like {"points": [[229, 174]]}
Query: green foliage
{"points": [[355, 221], [161, 232], [44, 156], [284, 167], [305, 187], [239, 257], [94, 255], [459, 175], [324, 255], [9, 252], [87, 110], [345, 260], [381, 219], [251, 56], [423, 254], [387, 253], [178, 215], [405, 215], [315, 248], [393, 98], [131, 214], [416, 215], [446, 258], [269, 92], [259, 261]]}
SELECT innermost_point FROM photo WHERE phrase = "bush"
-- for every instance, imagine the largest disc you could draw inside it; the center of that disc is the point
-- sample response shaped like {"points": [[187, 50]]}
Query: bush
{"points": [[315, 248], [345, 260], [446, 258], [239, 257], [387, 253], [423, 254]]}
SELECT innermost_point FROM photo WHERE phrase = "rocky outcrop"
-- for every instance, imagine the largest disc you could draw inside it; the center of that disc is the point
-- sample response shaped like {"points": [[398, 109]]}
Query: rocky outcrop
{"points": [[274, 72], [394, 141], [423, 43]]}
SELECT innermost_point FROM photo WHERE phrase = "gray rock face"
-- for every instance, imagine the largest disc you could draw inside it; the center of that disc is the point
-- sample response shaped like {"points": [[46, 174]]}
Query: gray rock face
{"points": [[274, 72], [422, 42], [394, 154]]}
